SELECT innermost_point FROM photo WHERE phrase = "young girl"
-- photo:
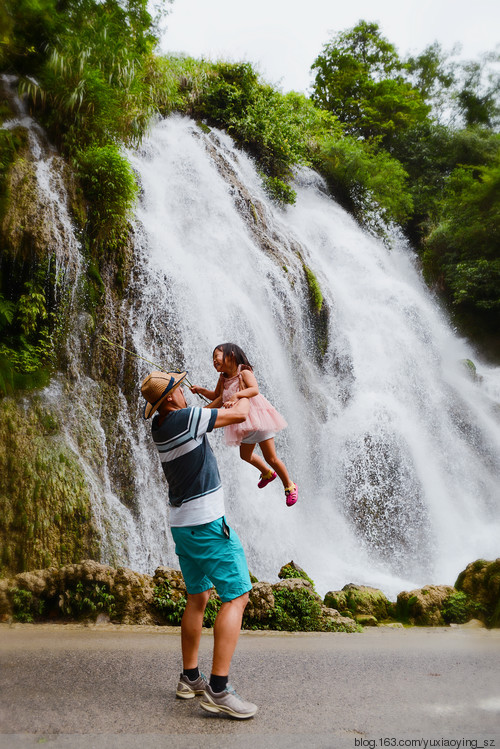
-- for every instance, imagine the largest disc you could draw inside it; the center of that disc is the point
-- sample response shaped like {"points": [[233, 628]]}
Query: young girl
{"points": [[237, 380]]}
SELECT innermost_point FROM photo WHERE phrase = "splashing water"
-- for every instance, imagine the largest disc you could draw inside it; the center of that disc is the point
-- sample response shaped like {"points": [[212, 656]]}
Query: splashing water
{"points": [[394, 446]]}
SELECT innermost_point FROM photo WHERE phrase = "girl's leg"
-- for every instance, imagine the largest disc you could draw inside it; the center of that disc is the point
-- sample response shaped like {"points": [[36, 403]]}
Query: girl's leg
{"points": [[269, 453], [247, 454]]}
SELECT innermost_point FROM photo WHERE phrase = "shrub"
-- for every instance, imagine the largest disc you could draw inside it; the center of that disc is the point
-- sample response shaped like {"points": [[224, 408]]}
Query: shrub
{"points": [[26, 608], [172, 610], [458, 608], [87, 599], [109, 185]]}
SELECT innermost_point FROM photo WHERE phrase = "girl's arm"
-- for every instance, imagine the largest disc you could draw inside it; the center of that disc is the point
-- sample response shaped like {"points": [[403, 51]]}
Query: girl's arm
{"points": [[217, 403], [248, 388], [211, 394]]}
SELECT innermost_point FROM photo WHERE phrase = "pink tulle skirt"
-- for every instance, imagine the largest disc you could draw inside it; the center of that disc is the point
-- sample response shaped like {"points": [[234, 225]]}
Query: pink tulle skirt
{"points": [[262, 417]]}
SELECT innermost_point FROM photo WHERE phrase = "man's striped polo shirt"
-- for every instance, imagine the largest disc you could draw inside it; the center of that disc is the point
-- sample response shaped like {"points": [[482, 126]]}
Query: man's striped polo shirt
{"points": [[194, 485]]}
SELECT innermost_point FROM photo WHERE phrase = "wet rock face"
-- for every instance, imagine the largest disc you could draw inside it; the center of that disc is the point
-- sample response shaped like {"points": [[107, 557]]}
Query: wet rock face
{"points": [[46, 516]]}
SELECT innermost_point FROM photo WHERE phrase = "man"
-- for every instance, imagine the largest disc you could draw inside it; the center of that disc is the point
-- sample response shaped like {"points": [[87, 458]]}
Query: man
{"points": [[210, 553]]}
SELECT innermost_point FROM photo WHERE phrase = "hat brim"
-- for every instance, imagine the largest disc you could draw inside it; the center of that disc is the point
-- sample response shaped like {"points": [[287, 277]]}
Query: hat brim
{"points": [[175, 380]]}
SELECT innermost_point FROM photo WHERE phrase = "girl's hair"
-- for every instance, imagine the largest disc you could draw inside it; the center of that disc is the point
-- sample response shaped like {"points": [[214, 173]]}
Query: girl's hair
{"points": [[231, 349]]}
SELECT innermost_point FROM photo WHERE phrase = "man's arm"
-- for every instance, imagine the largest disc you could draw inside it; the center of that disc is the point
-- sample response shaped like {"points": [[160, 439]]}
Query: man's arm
{"points": [[234, 415]]}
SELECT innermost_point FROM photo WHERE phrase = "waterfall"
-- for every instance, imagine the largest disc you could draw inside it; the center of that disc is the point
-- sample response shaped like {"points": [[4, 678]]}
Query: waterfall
{"points": [[393, 442]]}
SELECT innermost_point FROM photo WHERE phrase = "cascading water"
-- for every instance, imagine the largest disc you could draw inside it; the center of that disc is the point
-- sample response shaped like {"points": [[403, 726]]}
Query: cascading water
{"points": [[394, 446]]}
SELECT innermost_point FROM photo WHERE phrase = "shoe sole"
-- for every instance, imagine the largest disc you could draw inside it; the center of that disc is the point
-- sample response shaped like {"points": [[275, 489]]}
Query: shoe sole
{"points": [[211, 708], [189, 695]]}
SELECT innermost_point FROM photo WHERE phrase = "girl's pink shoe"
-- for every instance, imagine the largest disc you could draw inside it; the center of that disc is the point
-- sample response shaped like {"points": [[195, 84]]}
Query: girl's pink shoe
{"points": [[291, 495], [264, 482]]}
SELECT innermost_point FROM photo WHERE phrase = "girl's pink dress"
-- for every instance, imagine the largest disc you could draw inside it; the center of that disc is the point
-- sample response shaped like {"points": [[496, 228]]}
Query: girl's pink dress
{"points": [[262, 416]]}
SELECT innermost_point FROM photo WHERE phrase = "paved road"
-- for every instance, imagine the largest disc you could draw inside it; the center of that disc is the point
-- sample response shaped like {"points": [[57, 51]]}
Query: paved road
{"points": [[111, 687]]}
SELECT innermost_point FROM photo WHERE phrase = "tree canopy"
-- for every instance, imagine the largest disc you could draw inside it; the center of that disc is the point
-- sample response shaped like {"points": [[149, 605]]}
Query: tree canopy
{"points": [[359, 77]]}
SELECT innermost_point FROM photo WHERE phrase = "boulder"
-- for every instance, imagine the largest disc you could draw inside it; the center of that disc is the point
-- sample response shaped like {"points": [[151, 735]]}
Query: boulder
{"points": [[296, 584], [334, 621], [481, 582], [170, 578], [423, 605], [360, 600], [260, 604], [292, 570]]}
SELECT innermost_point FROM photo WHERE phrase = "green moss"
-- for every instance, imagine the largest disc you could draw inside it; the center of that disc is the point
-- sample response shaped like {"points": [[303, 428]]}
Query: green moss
{"points": [[314, 289], [290, 571], [46, 516], [203, 127]]}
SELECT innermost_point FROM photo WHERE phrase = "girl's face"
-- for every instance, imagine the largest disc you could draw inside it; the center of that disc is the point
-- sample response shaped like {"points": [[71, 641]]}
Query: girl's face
{"points": [[218, 361], [223, 365]]}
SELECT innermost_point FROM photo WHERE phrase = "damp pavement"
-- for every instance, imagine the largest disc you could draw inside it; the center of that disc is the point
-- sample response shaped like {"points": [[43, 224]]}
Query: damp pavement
{"points": [[113, 687]]}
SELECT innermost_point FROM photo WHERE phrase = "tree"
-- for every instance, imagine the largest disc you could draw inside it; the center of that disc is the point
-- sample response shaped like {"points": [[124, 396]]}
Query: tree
{"points": [[360, 78], [478, 95], [435, 76]]}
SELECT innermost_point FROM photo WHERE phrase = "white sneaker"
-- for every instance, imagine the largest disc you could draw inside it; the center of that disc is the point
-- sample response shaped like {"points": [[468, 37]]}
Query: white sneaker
{"points": [[228, 702]]}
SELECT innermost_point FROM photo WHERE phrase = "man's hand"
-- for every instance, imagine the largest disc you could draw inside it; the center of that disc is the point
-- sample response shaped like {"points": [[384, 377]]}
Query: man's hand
{"points": [[235, 415]]}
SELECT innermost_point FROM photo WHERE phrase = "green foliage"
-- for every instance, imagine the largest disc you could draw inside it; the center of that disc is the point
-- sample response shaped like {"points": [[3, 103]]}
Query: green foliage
{"points": [[359, 78], [26, 608], [458, 608], [89, 63], [172, 610], [211, 611], [27, 345], [364, 177], [279, 191], [299, 610], [30, 308], [463, 249], [109, 185], [87, 599], [7, 309]]}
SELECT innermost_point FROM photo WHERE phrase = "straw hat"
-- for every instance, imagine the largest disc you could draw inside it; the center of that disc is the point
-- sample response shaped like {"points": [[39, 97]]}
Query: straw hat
{"points": [[157, 386]]}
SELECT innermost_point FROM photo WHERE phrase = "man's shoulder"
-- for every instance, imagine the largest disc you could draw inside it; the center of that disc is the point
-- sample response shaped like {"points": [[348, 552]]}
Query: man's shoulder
{"points": [[172, 421], [190, 419]]}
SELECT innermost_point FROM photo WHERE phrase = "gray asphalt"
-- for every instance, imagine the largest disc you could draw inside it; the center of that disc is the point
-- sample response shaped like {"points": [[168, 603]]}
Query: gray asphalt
{"points": [[112, 687]]}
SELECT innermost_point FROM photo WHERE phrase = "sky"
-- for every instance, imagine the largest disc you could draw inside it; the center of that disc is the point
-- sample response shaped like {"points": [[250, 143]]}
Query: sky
{"points": [[282, 38]]}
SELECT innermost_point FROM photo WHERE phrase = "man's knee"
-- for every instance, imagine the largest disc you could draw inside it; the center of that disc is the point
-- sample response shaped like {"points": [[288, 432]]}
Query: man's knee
{"points": [[198, 600], [241, 601]]}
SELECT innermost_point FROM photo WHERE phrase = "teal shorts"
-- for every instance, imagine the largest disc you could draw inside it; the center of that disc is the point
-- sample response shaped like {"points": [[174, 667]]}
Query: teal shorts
{"points": [[208, 558]]}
